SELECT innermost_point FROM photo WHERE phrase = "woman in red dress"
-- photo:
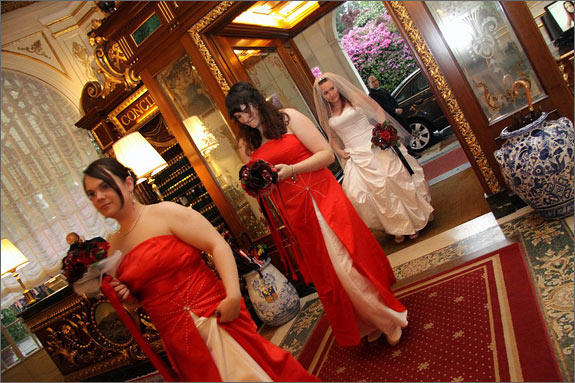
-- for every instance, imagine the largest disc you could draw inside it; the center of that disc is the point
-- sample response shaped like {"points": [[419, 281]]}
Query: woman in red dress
{"points": [[340, 256], [206, 330]]}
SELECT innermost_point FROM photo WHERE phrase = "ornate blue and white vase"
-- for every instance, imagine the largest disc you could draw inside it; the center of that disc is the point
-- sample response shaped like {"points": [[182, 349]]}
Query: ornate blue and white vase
{"points": [[537, 164], [273, 297]]}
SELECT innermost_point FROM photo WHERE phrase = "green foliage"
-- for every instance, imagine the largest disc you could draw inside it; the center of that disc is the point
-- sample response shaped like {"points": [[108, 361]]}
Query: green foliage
{"points": [[370, 10], [17, 331]]}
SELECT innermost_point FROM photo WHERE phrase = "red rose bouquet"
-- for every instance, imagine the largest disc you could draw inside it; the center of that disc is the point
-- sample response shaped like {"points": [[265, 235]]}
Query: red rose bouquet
{"points": [[384, 135], [82, 255], [258, 177]]}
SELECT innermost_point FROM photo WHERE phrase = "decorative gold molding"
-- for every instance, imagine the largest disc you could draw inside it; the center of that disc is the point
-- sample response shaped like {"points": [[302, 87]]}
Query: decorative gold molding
{"points": [[65, 30], [111, 61], [195, 32], [55, 313], [441, 84], [67, 17], [61, 70], [87, 15], [166, 11]]}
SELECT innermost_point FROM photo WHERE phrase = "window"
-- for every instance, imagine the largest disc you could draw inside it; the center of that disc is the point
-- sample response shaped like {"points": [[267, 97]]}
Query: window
{"points": [[42, 158], [17, 341]]}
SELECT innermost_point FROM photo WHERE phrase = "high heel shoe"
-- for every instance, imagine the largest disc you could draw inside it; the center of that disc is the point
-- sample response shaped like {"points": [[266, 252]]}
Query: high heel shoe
{"points": [[399, 238], [373, 336]]}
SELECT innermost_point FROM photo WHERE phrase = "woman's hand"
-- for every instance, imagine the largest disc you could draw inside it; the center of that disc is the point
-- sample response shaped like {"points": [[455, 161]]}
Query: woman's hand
{"points": [[123, 292], [228, 309], [284, 171], [344, 154]]}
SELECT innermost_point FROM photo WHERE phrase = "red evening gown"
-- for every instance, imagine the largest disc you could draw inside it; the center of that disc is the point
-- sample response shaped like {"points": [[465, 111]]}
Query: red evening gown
{"points": [[180, 293], [325, 223]]}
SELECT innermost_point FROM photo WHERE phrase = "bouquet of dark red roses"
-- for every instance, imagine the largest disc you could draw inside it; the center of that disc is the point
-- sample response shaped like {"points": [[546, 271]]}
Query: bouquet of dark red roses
{"points": [[258, 178], [384, 135], [82, 255]]}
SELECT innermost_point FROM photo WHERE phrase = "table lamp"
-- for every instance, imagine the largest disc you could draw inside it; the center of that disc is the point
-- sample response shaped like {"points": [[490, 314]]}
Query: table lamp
{"points": [[204, 140], [12, 258], [136, 153]]}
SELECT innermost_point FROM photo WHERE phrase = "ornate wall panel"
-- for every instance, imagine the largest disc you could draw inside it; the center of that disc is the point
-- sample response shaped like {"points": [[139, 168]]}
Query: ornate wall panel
{"points": [[195, 32], [462, 125]]}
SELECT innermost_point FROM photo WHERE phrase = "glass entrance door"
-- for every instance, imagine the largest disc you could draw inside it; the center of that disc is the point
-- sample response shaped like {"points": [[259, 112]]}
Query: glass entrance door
{"points": [[266, 67]]}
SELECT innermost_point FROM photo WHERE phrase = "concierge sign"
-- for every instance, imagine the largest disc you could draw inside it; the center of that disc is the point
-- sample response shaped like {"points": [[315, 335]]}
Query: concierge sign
{"points": [[135, 111]]}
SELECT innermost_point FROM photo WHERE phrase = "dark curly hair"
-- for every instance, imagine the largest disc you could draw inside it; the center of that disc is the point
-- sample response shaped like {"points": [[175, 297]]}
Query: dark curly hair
{"points": [[274, 121], [102, 169]]}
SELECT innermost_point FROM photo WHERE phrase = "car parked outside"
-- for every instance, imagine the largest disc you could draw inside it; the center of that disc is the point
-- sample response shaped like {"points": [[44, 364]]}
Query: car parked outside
{"points": [[420, 109]]}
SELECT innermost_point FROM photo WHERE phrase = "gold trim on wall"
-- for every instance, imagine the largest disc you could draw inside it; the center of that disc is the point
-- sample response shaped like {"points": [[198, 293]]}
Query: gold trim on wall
{"points": [[195, 32], [441, 84], [62, 68], [65, 30]]}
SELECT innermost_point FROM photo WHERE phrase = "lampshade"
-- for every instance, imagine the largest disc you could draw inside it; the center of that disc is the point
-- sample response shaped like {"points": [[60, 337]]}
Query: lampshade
{"points": [[11, 257], [205, 141], [134, 152]]}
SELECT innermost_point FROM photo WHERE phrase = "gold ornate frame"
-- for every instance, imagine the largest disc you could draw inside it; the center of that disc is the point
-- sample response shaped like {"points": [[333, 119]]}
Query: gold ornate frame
{"points": [[195, 30], [422, 50], [462, 125]]}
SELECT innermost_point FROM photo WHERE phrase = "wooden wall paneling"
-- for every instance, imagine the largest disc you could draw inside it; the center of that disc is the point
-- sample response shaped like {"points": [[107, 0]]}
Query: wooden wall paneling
{"points": [[225, 19], [234, 66], [298, 69], [541, 58], [459, 89], [192, 153], [161, 58]]}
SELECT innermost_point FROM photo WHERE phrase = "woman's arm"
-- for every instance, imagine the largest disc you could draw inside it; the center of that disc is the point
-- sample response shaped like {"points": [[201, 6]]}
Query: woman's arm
{"points": [[191, 227], [313, 140], [337, 145], [372, 107], [245, 155]]}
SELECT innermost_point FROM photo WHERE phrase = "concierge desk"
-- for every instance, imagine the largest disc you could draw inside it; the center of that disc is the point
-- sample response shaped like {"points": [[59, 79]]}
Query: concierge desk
{"points": [[86, 339]]}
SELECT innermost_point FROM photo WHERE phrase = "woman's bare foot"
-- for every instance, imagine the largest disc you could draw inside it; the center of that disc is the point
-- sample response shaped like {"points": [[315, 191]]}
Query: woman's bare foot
{"points": [[394, 337], [399, 238], [413, 236], [373, 336]]}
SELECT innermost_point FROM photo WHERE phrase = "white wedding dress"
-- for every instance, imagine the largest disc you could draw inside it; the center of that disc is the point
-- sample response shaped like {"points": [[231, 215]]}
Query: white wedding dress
{"points": [[377, 183]]}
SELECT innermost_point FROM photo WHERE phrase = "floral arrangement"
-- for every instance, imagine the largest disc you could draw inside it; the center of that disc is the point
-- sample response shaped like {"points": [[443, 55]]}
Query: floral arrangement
{"points": [[82, 255], [246, 261], [384, 135], [258, 177]]}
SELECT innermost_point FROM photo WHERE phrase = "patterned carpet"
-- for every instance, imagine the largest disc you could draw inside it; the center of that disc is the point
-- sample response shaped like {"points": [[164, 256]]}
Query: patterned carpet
{"points": [[548, 246]]}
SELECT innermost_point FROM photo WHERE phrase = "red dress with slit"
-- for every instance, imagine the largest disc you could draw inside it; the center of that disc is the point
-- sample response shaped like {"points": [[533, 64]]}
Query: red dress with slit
{"points": [[317, 198], [174, 286]]}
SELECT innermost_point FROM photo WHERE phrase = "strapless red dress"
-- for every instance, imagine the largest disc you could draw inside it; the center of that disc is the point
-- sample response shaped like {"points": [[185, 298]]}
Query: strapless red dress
{"points": [[171, 280], [297, 201]]}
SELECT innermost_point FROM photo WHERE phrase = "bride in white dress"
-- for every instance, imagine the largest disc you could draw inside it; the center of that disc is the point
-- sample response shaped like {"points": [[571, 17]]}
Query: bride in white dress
{"points": [[378, 184]]}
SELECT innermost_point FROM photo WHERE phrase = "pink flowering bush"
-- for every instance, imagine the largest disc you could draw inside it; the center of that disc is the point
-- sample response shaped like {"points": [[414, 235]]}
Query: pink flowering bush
{"points": [[378, 49]]}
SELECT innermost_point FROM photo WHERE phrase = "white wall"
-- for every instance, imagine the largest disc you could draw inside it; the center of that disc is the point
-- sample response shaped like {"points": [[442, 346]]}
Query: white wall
{"points": [[39, 367], [320, 46], [48, 40]]}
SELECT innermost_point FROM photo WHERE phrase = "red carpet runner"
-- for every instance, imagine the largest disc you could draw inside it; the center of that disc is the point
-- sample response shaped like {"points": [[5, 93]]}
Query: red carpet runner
{"points": [[479, 321]]}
